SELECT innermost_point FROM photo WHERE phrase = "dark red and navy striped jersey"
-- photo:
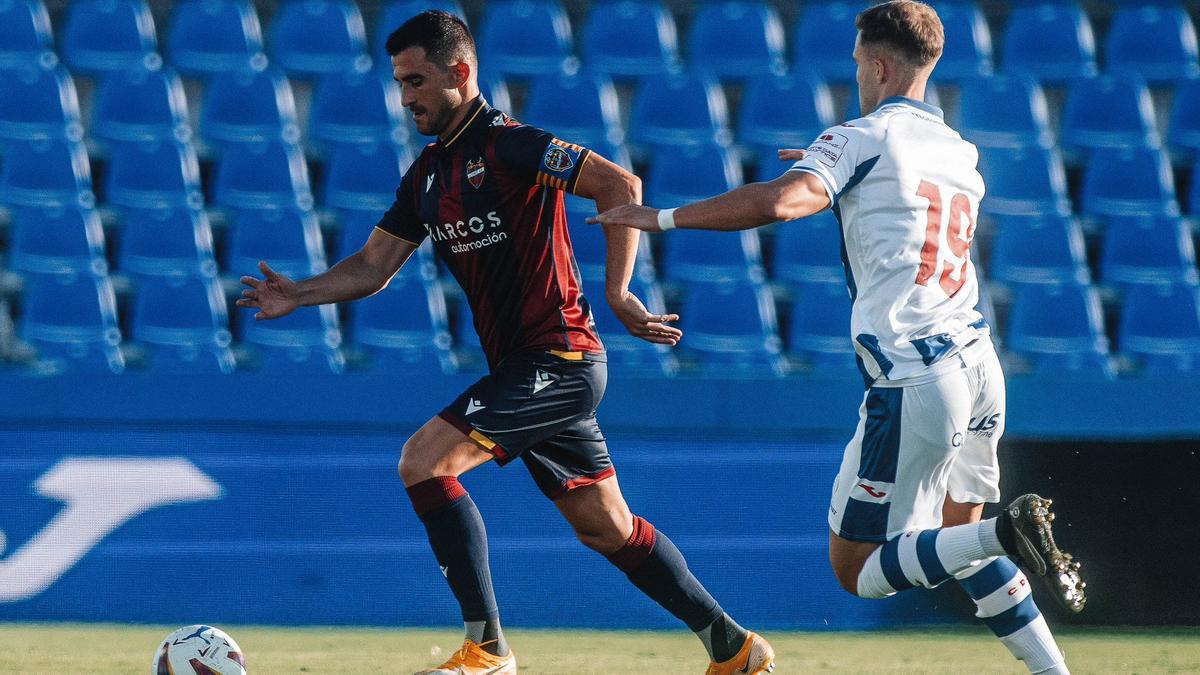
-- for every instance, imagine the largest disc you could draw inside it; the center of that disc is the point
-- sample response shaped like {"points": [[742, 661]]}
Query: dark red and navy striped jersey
{"points": [[490, 198]]}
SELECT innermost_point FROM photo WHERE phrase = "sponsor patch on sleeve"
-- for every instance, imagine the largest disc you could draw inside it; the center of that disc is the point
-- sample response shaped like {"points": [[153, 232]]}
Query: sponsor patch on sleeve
{"points": [[827, 148], [559, 163]]}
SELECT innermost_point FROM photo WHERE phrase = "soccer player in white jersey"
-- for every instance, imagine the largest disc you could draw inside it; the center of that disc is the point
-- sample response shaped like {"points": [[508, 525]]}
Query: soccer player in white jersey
{"points": [[907, 503]]}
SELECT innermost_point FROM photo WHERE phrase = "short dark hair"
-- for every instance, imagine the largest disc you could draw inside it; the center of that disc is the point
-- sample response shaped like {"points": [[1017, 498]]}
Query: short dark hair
{"points": [[911, 28], [444, 37]]}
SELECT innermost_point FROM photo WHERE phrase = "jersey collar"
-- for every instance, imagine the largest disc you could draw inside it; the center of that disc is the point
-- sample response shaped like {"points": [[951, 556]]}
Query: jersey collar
{"points": [[919, 105], [476, 112]]}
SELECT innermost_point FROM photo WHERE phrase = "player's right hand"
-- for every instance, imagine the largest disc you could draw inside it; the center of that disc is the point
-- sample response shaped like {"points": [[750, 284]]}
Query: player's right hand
{"points": [[274, 296], [790, 154]]}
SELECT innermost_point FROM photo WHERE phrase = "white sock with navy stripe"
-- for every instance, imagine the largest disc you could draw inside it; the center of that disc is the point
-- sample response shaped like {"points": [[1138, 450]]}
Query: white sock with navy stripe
{"points": [[1001, 594], [927, 558]]}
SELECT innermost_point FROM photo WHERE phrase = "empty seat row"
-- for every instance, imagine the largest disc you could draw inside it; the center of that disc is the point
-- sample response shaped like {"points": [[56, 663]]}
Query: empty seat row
{"points": [[625, 38], [730, 327]]}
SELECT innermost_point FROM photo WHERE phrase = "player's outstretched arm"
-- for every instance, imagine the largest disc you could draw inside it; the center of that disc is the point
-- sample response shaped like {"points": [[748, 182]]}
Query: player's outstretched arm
{"points": [[793, 195], [364, 273], [610, 186]]}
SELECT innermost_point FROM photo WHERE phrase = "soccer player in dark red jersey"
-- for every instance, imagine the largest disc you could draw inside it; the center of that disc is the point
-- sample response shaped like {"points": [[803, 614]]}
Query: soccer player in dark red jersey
{"points": [[489, 194]]}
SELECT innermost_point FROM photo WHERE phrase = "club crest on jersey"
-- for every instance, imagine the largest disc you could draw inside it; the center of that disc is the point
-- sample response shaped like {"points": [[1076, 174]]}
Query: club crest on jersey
{"points": [[475, 169], [558, 160]]}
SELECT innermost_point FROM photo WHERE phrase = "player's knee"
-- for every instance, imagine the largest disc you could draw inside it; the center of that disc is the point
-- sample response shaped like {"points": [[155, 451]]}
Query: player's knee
{"points": [[412, 468], [603, 540], [847, 577]]}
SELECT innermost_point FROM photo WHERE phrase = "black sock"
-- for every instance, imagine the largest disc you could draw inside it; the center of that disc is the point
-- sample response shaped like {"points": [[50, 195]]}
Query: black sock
{"points": [[488, 635], [723, 638], [658, 569], [459, 542]]}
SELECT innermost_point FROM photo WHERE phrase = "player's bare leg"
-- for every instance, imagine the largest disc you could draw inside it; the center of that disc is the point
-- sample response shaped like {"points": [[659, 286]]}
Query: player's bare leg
{"points": [[430, 464], [603, 522]]}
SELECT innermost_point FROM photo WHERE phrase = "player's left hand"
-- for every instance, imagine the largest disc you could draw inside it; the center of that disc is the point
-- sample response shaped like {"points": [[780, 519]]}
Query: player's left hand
{"points": [[641, 323], [638, 217], [790, 154]]}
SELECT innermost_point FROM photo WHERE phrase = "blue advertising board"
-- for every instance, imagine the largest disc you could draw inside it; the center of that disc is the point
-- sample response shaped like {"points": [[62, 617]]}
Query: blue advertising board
{"points": [[312, 526]]}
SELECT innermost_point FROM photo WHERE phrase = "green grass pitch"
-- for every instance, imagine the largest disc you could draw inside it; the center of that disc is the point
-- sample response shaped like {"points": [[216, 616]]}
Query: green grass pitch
{"points": [[102, 649]]}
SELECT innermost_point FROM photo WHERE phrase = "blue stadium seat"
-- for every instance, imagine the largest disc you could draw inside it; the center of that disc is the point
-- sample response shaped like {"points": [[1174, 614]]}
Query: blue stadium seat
{"points": [[1059, 329], [357, 107], [364, 177], [185, 323], [72, 319], [1038, 250], [1128, 181], [1005, 111], [809, 250], [306, 341], [968, 51], [26, 37], [713, 256], [625, 352], [1147, 249], [395, 14], [51, 172], [824, 40], [167, 242], [154, 174], [317, 37], [731, 327], [250, 104], [629, 39], [1158, 41], [213, 36], [580, 109], [1184, 134], [263, 175], [679, 109], [288, 239], [53, 240], [106, 35], [526, 37], [1160, 328], [1108, 111], [1023, 181], [38, 102], [819, 331], [141, 104], [1052, 41], [784, 111], [405, 326], [354, 228], [736, 39], [691, 172], [1194, 194]]}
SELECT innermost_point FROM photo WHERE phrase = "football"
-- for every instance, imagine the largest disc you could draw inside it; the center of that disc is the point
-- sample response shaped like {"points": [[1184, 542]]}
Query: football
{"points": [[198, 650]]}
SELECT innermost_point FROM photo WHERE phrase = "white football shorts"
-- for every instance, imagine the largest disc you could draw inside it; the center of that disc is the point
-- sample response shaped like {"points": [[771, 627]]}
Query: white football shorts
{"points": [[919, 440]]}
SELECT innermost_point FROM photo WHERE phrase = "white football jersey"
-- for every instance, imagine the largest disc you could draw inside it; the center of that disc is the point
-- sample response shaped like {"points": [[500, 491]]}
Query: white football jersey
{"points": [[906, 192]]}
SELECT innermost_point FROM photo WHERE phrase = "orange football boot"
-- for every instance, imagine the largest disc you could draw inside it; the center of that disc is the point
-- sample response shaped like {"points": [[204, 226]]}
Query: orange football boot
{"points": [[472, 659], [755, 656]]}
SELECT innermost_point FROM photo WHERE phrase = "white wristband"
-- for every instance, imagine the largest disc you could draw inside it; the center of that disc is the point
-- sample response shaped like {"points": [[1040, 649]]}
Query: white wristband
{"points": [[666, 219]]}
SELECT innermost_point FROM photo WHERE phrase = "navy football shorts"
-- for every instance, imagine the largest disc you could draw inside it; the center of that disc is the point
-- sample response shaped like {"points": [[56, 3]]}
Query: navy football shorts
{"points": [[541, 407]]}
